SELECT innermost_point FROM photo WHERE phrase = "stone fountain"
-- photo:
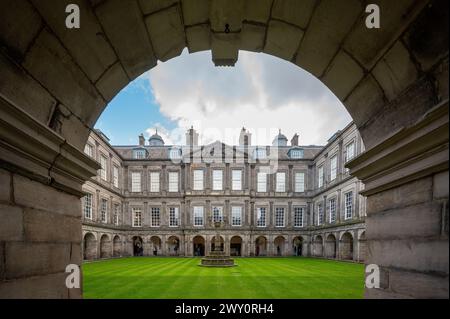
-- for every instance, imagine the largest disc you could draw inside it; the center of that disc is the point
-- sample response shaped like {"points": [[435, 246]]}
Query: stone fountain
{"points": [[217, 257]]}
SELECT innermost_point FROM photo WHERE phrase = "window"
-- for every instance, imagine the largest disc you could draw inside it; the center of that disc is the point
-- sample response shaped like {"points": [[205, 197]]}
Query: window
{"points": [[217, 179], [156, 217], [236, 216], [236, 177], [319, 214], [299, 182], [296, 153], [198, 180], [281, 182], [135, 182], [137, 217], [349, 151], [175, 153], [348, 205], [174, 217], [261, 217], [260, 153], [154, 182], [173, 181], [116, 176], [198, 215], [104, 211], [332, 204], [116, 214], [89, 150], [279, 217], [262, 182], [103, 167], [298, 216], [320, 176], [139, 154], [333, 168], [217, 214], [88, 206]]}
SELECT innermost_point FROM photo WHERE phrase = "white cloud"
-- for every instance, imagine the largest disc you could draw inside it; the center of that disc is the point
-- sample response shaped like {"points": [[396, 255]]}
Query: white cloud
{"points": [[261, 92]]}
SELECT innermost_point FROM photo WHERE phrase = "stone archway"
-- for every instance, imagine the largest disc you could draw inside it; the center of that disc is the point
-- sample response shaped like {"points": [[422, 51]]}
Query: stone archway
{"points": [[236, 246], [138, 246], [89, 246], [346, 246], [117, 246], [279, 243], [105, 246], [393, 81], [221, 243], [297, 246], [198, 245], [156, 245], [173, 246], [330, 246], [261, 246], [318, 246]]}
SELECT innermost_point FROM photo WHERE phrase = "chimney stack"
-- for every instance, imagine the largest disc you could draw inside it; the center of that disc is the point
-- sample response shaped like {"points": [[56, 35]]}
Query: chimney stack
{"points": [[191, 137], [294, 141], [245, 138], [141, 140]]}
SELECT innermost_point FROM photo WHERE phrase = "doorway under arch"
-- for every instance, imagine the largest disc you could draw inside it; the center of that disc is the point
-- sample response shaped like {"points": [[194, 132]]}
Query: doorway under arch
{"points": [[173, 246], [198, 243], [330, 246], [138, 246], [280, 243], [117, 246], [236, 246], [261, 246], [346, 246], [318, 246], [89, 247], [105, 246], [297, 246]]}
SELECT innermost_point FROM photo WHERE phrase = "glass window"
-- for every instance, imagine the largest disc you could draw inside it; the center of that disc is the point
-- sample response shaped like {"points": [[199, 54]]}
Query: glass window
{"points": [[217, 179], [333, 167], [174, 217], [135, 182], [298, 216], [198, 215], [156, 217], [154, 182], [217, 214], [279, 217], [175, 153], [116, 176], [103, 168], [332, 204], [349, 151], [88, 206], [348, 205], [236, 216], [260, 153], [198, 180], [137, 217], [139, 154], [262, 182], [296, 153], [116, 214], [261, 217], [319, 214], [281, 182], [173, 181], [89, 150], [320, 176], [299, 182], [236, 183], [104, 210]]}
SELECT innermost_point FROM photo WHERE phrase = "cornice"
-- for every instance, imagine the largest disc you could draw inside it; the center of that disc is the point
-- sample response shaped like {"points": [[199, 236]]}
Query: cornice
{"points": [[30, 148], [408, 154]]}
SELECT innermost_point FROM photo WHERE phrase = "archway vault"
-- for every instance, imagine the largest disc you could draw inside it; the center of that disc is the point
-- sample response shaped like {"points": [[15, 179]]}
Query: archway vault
{"points": [[55, 82]]}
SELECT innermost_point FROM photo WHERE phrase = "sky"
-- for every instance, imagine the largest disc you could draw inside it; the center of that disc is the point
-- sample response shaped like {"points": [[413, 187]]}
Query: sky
{"points": [[261, 93]]}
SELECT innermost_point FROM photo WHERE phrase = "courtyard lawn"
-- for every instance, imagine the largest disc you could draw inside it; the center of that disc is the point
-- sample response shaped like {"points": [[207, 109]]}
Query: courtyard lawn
{"points": [[271, 278]]}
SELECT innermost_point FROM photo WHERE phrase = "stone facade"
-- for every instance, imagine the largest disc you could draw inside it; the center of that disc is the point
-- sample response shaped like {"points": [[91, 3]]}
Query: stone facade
{"points": [[302, 216]]}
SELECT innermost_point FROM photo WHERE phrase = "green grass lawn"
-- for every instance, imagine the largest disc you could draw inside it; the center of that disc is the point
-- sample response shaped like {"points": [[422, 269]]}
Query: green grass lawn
{"points": [[153, 277]]}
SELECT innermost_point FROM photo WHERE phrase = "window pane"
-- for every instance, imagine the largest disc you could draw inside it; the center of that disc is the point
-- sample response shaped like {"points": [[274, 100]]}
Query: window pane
{"points": [[217, 180], [236, 180], [299, 182], [154, 182], [198, 180], [298, 216], [320, 176], [88, 206], [333, 168], [281, 182], [279, 217], [135, 182], [103, 167], [261, 217], [137, 217], [156, 217], [262, 182], [174, 217], [236, 216], [173, 182], [198, 216]]}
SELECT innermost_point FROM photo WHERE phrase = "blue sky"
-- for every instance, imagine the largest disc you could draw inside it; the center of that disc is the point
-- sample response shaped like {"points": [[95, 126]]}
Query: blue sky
{"points": [[261, 92]]}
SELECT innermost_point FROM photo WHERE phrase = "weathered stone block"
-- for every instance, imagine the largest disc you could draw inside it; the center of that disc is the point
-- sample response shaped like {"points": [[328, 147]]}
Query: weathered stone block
{"points": [[5, 185], [383, 294], [412, 193], [87, 45], [223, 12], [24, 91], [341, 64], [293, 11], [25, 259], [51, 63], [150, 6], [129, 37], [166, 33], [440, 185], [19, 27], [325, 33], [39, 196], [395, 72], [42, 226], [257, 10], [112, 81], [11, 226], [47, 286], [417, 285], [282, 40], [198, 38], [252, 37], [195, 11]]}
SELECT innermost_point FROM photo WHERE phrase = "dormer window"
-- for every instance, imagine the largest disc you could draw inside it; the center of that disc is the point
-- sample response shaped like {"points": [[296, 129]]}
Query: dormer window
{"points": [[260, 153], [296, 153], [175, 153], [139, 154]]}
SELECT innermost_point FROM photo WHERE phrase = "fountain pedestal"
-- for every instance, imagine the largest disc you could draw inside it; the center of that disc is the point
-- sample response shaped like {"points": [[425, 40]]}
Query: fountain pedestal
{"points": [[217, 257]]}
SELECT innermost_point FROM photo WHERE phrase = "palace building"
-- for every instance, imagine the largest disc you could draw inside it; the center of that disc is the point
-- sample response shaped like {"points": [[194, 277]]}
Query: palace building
{"points": [[284, 199]]}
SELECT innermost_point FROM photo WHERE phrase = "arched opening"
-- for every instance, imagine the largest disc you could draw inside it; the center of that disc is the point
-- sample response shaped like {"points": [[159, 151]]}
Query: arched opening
{"points": [[220, 242], [89, 247], [236, 246], [330, 246], [318, 246], [297, 246], [173, 246], [105, 246], [138, 246], [261, 246], [117, 246], [279, 243], [199, 246], [155, 245], [346, 246], [362, 247]]}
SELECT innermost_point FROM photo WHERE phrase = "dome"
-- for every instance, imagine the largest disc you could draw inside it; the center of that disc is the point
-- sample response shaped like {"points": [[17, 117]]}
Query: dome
{"points": [[280, 140], [156, 140]]}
